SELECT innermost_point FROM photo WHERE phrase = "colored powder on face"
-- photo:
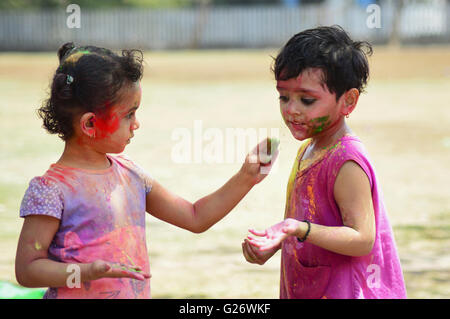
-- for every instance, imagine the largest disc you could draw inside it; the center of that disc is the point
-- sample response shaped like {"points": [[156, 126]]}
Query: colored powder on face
{"points": [[319, 124], [106, 123]]}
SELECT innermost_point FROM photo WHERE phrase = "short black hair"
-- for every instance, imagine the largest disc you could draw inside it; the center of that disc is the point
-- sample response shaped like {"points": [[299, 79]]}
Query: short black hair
{"points": [[342, 60], [88, 79]]}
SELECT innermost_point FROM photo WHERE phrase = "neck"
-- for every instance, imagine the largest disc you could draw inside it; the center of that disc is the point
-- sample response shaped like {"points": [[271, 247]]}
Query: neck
{"points": [[81, 155], [330, 136]]}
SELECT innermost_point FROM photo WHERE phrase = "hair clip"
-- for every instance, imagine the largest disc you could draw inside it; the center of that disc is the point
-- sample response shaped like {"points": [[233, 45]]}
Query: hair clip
{"points": [[71, 50], [69, 79]]}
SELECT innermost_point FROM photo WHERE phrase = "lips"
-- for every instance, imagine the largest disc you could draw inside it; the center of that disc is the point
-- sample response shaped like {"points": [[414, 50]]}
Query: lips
{"points": [[299, 126]]}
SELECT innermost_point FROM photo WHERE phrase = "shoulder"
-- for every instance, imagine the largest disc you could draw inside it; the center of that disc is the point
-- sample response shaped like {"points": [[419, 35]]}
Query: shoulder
{"points": [[44, 184], [42, 197], [125, 162], [350, 157], [351, 175], [122, 159]]}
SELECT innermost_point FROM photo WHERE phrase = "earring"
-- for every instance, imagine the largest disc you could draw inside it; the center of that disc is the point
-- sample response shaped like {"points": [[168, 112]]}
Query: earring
{"points": [[347, 115]]}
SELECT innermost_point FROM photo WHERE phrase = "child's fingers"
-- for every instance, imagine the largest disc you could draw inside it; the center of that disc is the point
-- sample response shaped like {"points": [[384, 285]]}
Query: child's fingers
{"points": [[268, 160], [256, 239], [255, 250], [248, 253], [268, 246], [274, 157], [134, 272], [259, 146], [133, 275], [105, 267], [258, 232], [257, 243], [140, 272]]}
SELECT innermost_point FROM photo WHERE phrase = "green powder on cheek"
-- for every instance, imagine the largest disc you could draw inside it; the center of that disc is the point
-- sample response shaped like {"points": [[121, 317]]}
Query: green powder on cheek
{"points": [[319, 124]]}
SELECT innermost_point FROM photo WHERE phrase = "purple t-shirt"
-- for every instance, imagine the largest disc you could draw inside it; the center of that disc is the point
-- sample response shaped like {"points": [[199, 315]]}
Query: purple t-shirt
{"points": [[309, 271], [102, 216]]}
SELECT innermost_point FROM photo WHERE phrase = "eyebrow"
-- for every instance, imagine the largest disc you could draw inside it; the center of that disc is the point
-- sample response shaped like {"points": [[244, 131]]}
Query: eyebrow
{"points": [[133, 109], [301, 89]]}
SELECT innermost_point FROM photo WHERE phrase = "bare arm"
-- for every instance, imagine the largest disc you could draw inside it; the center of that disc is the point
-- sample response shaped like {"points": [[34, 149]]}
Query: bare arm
{"points": [[34, 269], [356, 238], [201, 215]]}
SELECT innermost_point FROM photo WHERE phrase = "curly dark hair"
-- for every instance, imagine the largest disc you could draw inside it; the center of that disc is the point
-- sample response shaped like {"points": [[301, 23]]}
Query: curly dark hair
{"points": [[88, 79], [342, 60]]}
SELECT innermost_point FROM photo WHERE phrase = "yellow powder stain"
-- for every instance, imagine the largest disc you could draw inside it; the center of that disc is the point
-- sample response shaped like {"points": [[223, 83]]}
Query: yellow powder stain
{"points": [[312, 200], [37, 246], [75, 57], [307, 162]]}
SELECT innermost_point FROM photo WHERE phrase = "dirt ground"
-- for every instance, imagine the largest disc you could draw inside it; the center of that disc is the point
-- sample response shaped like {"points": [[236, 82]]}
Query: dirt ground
{"points": [[403, 120]]}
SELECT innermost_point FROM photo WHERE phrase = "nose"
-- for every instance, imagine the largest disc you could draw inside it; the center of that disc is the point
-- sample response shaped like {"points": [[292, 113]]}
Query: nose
{"points": [[292, 109], [136, 125]]}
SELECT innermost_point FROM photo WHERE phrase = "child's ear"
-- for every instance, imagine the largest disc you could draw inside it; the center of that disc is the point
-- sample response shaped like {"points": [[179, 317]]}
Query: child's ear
{"points": [[350, 99], [87, 124]]}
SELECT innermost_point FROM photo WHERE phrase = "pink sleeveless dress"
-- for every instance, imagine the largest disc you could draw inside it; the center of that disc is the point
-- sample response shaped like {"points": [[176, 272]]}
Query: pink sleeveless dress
{"points": [[309, 271]]}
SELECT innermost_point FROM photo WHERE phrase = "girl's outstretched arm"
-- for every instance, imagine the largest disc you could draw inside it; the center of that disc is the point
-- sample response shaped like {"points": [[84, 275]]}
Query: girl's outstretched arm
{"points": [[207, 211], [35, 269], [356, 238]]}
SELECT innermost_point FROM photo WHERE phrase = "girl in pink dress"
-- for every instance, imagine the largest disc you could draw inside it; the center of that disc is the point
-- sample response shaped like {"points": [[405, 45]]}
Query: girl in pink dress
{"points": [[336, 239]]}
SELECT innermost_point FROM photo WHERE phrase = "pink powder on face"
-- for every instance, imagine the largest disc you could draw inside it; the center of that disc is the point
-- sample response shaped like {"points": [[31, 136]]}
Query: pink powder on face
{"points": [[106, 123]]}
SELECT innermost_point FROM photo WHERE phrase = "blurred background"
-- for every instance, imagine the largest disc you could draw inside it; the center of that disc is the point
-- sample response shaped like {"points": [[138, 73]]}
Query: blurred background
{"points": [[195, 24], [210, 60]]}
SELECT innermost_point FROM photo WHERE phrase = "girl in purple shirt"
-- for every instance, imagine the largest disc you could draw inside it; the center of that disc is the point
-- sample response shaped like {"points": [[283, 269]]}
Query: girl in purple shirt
{"points": [[336, 239], [84, 232]]}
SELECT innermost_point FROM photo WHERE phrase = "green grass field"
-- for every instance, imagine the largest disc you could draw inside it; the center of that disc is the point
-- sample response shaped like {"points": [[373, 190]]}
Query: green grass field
{"points": [[403, 119]]}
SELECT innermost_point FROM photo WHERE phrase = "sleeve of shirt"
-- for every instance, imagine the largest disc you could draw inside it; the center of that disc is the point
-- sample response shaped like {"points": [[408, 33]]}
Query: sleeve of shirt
{"points": [[146, 178], [42, 197]]}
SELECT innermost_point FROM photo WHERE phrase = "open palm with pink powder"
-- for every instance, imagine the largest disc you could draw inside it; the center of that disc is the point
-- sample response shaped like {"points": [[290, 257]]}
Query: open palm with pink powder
{"points": [[274, 235]]}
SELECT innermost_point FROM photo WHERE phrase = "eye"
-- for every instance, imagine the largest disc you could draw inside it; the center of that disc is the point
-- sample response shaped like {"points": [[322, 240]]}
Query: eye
{"points": [[283, 98], [308, 101], [130, 115]]}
